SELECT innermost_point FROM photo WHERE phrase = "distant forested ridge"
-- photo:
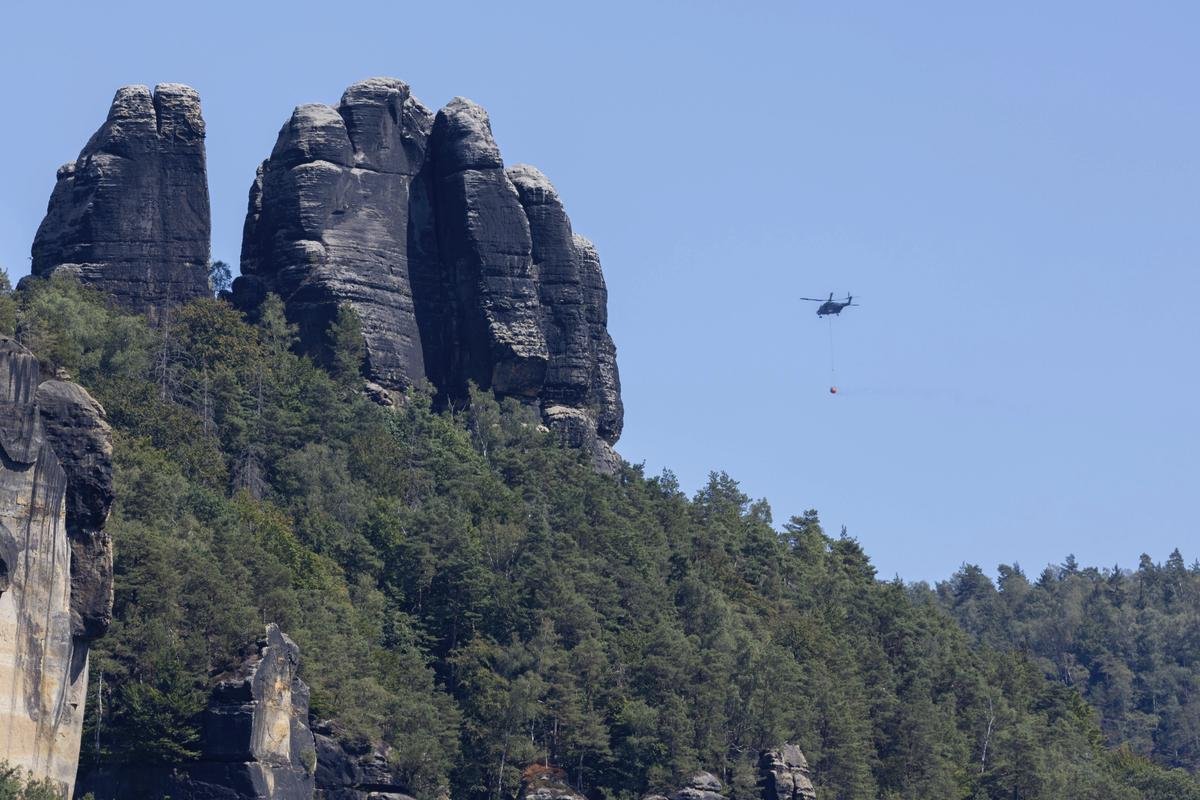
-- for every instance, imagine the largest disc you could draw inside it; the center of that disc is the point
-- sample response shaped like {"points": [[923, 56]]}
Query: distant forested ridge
{"points": [[1127, 640], [478, 598]]}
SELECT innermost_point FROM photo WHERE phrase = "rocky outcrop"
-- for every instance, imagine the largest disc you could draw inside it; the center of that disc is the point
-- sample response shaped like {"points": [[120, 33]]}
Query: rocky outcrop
{"points": [[546, 783], [784, 775], [701, 786], [460, 271], [349, 772], [130, 216], [55, 562], [340, 212], [484, 240], [256, 742]]}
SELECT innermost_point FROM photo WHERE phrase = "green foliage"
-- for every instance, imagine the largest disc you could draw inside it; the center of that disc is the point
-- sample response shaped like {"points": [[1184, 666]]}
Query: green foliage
{"points": [[1129, 642], [220, 277], [15, 784], [347, 349], [478, 598], [8, 306]]}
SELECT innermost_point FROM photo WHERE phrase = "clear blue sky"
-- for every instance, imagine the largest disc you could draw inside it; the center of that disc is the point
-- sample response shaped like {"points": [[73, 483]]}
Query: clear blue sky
{"points": [[1013, 191]]}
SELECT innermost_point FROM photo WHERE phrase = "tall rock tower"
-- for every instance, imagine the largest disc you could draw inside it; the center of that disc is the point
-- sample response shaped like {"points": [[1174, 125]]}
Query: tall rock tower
{"points": [[460, 270], [130, 216]]}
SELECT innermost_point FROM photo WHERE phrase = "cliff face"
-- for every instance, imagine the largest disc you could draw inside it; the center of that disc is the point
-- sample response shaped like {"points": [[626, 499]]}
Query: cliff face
{"points": [[130, 216], [55, 562], [459, 269], [340, 213]]}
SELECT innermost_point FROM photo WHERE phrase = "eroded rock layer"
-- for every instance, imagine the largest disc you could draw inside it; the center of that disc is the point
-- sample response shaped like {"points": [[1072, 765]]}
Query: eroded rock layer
{"points": [[460, 271], [55, 562], [340, 213], [130, 216]]}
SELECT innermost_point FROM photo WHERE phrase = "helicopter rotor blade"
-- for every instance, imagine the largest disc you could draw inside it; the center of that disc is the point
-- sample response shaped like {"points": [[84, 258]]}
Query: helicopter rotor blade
{"points": [[813, 299]]}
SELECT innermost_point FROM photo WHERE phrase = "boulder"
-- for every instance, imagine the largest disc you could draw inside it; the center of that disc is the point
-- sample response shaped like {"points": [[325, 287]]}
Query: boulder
{"points": [[130, 216]]}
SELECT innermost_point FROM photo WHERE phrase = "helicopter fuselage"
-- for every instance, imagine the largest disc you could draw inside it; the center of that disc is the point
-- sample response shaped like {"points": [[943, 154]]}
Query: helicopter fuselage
{"points": [[830, 307]]}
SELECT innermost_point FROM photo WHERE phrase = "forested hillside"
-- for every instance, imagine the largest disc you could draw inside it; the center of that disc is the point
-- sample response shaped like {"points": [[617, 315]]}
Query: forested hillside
{"points": [[1129, 641], [479, 598]]}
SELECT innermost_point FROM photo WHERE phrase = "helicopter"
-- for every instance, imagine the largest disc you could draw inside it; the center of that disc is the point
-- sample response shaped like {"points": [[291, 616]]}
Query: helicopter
{"points": [[831, 306]]}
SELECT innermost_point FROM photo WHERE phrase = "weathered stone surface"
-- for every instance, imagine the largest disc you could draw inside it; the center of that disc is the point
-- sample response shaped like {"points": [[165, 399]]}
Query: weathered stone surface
{"points": [[459, 270], [256, 741], [340, 213], [576, 427], [560, 286], [346, 772], [604, 392], [784, 775], [484, 240], [130, 216], [581, 393], [701, 786], [75, 427], [55, 562]]}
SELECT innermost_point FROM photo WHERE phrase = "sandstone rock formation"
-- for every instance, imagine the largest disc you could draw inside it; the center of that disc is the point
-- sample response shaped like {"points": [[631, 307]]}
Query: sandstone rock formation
{"points": [[256, 741], [484, 240], [130, 216], [784, 775], [55, 562], [701, 786], [340, 213], [460, 271], [346, 772]]}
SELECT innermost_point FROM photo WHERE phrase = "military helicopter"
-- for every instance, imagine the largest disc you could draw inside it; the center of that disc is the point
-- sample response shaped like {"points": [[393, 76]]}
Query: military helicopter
{"points": [[831, 306]]}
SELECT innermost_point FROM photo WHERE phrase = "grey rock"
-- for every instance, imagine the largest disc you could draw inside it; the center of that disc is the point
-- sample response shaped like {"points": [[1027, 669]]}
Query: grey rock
{"points": [[346, 771], [75, 427], [701, 786], [582, 369], [604, 394], [485, 247], [130, 216], [340, 213], [256, 743], [576, 427], [564, 320], [55, 562], [459, 270], [784, 774]]}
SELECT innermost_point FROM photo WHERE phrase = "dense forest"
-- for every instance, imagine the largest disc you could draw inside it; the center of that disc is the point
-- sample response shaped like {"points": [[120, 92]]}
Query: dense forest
{"points": [[477, 597], [1129, 641]]}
